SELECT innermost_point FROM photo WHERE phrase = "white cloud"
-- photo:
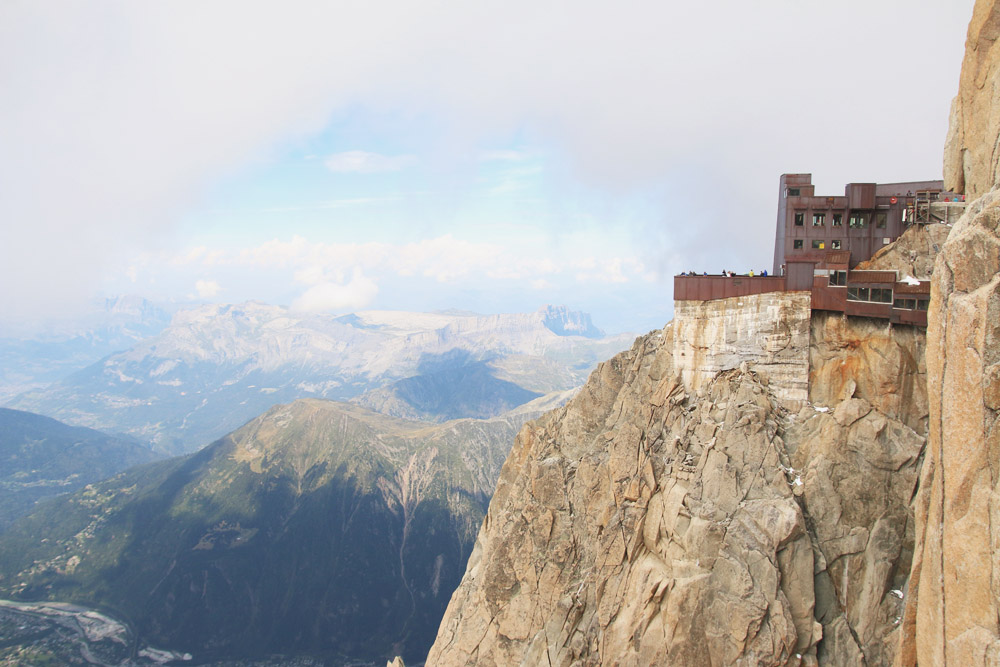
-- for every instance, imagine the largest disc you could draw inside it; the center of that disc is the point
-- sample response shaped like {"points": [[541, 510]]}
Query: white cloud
{"points": [[362, 162], [614, 270], [327, 296], [119, 116], [206, 289], [504, 156], [329, 205], [311, 275]]}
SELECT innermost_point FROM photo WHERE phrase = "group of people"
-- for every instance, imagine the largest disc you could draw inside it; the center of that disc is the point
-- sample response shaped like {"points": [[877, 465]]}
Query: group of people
{"points": [[728, 274]]}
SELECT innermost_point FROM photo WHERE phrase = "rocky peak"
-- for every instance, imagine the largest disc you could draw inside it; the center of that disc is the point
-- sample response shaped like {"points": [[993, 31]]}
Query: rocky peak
{"points": [[971, 160], [564, 322]]}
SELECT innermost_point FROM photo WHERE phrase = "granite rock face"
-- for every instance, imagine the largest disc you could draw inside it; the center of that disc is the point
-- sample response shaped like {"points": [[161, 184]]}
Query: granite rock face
{"points": [[952, 609], [652, 522], [866, 358], [858, 451], [971, 155], [912, 254], [769, 330]]}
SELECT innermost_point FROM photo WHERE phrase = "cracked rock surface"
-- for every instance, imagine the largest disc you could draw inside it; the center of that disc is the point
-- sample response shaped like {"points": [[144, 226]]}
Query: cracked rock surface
{"points": [[954, 603], [645, 523]]}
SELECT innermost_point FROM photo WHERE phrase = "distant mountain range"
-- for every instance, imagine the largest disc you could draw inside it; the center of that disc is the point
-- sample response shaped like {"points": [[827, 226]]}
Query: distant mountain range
{"points": [[215, 367], [319, 528], [30, 362], [42, 458]]}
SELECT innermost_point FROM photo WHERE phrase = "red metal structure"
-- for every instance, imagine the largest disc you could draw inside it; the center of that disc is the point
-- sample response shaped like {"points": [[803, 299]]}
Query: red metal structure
{"points": [[818, 239]]}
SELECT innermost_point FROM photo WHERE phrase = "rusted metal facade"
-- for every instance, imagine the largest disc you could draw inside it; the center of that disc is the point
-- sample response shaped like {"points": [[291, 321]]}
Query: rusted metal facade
{"points": [[818, 239], [907, 303], [867, 217], [707, 288]]}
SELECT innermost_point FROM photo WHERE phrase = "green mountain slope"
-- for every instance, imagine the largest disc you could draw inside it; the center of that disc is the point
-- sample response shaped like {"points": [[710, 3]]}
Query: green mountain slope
{"points": [[318, 528], [41, 457]]}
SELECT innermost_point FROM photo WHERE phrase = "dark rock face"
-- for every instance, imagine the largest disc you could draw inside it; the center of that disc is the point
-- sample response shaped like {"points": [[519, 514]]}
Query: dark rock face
{"points": [[469, 390], [318, 528]]}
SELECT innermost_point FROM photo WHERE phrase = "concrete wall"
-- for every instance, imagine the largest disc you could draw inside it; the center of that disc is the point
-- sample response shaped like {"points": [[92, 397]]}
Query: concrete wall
{"points": [[769, 331]]}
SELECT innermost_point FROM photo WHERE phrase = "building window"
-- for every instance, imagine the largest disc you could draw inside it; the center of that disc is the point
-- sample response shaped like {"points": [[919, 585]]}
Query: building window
{"points": [[800, 219], [870, 294], [835, 244], [838, 219], [921, 304], [880, 220], [857, 220], [838, 278], [797, 244], [818, 245], [793, 192], [909, 304], [819, 219]]}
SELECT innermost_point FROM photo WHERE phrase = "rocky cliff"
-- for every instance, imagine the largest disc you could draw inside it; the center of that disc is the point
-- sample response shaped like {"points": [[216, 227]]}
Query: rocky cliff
{"points": [[971, 155], [652, 522], [954, 602], [912, 254], [769, 330]]}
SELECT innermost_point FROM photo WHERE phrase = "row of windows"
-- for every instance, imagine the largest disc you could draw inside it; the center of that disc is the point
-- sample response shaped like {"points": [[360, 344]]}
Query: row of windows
{"points": [[856, 221], [818, 244], [910, 304], [873, 294], [876, 294]]}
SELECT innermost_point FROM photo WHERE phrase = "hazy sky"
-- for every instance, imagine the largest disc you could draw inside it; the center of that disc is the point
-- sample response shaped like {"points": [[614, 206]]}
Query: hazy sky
{"points": [[490, 156]]}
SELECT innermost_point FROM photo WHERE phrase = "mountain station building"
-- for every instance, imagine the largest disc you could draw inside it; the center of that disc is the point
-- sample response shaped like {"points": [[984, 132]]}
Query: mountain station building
{"points": [[819, 240]]}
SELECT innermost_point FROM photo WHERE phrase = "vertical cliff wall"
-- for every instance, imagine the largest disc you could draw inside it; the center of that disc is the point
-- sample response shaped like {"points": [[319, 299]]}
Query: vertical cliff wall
{"points": [[771, 331], [650, 522], [972, 149], [954, 601]]}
